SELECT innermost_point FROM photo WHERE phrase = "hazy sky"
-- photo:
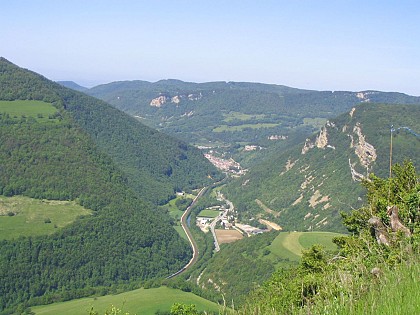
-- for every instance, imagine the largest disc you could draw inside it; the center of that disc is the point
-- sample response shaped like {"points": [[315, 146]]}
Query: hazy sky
{"points": [[314, 44]]}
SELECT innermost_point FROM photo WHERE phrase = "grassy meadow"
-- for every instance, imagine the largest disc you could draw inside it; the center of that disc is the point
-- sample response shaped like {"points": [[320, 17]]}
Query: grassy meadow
{"points": [[140, 302], [208, 213], [23, 216], [289, 245], [176, 214], [39, 110]]}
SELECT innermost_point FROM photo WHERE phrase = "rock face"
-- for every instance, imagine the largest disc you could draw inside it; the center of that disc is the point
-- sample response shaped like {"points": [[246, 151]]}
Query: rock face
{"points": [[322, 139], [176, 99], [158, 101], [364, 150]]}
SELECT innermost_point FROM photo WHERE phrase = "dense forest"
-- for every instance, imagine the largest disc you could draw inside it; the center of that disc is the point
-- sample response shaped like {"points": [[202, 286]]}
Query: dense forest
{"points": [[63, 157]]}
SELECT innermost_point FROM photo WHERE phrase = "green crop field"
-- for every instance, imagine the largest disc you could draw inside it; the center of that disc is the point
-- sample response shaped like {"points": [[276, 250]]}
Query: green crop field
{"points": [[223, 128], [289, 245], [26, 108], [208, 213], [23, 216], [140, 302]]}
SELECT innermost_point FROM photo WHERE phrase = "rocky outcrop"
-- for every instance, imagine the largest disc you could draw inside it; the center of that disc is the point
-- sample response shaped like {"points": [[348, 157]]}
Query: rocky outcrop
{"points": [[364, 150], [158, 101], [321, 140], [307, 146], [162, 99], [356, 176]]}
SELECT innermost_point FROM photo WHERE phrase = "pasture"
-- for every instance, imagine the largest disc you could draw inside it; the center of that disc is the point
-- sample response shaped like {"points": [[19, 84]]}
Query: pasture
{"points": [[23, 216], [140, 302], [208, 213], [41, 111], [289, 245]]}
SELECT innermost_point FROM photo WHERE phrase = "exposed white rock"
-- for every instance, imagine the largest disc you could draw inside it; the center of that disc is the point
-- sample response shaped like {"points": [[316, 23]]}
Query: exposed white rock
{"points": [[289, 165], [307, 146], [297, 201], [356, 176], [158, 101], [317, 198], [277, 137], [195, 97], [364, 150], [352, 111], [322, 139], [176, 99]]}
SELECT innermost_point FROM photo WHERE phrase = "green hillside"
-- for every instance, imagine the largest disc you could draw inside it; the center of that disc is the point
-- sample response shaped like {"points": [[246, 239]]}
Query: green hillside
{"points": [[307, 186], [227, 116], [376, 268], [244, 265], [57, 144], [140, 301]]}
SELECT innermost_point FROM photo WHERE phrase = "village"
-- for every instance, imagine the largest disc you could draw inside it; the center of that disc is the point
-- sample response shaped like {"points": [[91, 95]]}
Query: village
{"points": [[222, 222]]}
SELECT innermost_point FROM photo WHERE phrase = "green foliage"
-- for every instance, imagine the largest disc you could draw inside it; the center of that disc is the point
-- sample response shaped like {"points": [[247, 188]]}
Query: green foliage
{"points": [[228, 113], [183, 309], [351, 282], [286, 181], [125, 241]]}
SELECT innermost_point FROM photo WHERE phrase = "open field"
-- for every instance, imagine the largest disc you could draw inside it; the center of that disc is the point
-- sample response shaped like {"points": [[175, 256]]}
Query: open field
{"points": [[36, 109], [208, 213], [181, 231], [140, 302], [289, 245], [314, 122], [23, 216], [176, 214], [231, 116], [223, 128], [227, 236]]}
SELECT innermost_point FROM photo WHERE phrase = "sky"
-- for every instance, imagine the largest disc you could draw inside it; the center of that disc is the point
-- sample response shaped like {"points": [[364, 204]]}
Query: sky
{"points": [[321, 45]]}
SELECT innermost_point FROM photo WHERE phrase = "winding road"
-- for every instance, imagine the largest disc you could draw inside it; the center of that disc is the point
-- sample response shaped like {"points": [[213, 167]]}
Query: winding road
{"points": [[189, 235]]}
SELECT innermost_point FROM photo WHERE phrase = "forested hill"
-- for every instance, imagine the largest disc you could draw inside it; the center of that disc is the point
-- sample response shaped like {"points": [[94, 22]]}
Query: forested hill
{"points": [[155, 164], [307, 186], [59, 144], [228, 113]]}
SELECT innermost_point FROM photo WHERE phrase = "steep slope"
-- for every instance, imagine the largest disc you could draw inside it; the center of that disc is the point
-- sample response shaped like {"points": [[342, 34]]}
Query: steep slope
{"points": [[155, 164], [49, 149], [307, 186]]}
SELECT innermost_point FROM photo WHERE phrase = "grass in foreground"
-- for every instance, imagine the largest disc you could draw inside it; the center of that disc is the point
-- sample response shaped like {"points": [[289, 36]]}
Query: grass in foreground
{"points": [[394, 292], [141, 301], [23, 216]]}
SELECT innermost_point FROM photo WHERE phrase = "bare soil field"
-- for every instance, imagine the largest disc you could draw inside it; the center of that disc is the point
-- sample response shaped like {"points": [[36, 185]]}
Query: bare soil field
{"points": [[227, 236]]}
